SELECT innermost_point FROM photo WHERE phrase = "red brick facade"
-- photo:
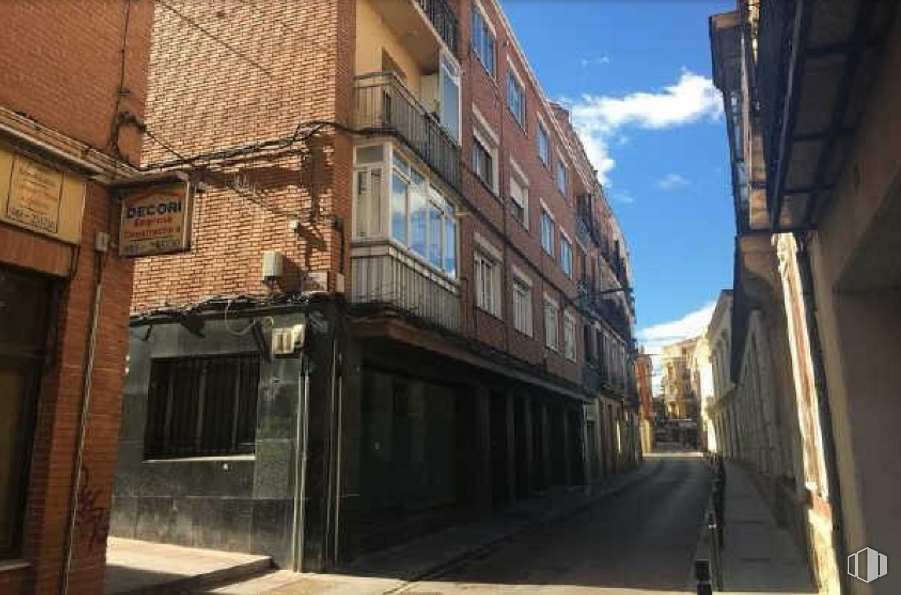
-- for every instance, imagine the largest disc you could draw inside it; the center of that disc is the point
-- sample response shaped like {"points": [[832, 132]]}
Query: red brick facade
{"points": [[62, 65], [218, 81]]}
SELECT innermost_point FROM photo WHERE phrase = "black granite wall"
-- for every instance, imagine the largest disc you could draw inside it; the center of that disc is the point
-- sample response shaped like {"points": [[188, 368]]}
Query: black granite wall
{"points": [[238, 503]]}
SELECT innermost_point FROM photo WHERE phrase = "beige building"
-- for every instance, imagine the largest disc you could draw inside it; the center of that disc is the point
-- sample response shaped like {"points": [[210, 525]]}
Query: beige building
{"points": [[678, 395], [816, 151]]}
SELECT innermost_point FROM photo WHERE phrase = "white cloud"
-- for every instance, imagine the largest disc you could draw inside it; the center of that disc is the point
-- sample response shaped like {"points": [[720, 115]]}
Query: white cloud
{"points": [[598, 118], [598, 60], [654, 337], [671, 182]]}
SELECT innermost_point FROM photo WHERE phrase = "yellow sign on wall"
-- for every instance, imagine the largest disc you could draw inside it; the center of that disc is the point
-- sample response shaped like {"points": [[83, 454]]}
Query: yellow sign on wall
{"points": [[40, 197], [156, 220]]}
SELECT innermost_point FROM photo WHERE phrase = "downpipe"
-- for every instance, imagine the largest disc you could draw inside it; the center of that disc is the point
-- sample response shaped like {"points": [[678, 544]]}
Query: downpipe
{"points": [[300, 458], [824, 410], [81, 430]]}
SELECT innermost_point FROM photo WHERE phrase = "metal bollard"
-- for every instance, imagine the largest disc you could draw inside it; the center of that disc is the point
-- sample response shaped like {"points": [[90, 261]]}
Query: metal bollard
{"points": [[715, 544], [702, 575]]}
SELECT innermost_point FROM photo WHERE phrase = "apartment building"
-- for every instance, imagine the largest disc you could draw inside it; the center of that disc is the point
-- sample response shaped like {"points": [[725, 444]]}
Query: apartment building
{"points": [[678, 394], [810, 91], [403, 277], [65, 148]]}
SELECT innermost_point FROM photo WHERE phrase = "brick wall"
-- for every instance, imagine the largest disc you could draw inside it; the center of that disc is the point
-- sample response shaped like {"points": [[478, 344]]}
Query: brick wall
{"points": [[62, 63], [223, 74]]}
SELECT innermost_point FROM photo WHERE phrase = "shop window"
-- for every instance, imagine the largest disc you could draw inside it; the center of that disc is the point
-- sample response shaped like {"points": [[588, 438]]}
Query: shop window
{"points": [[202, 406], [24, 310]]}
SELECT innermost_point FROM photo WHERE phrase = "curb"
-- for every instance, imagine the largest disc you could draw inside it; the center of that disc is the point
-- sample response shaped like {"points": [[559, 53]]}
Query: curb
{"points": [[444, 567], [208, 579]]}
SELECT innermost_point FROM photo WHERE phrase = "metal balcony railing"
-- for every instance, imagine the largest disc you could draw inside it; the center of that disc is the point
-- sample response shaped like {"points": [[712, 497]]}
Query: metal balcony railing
{"points": [[383, 274], [443, 19], [383, 105], [774, 49]]}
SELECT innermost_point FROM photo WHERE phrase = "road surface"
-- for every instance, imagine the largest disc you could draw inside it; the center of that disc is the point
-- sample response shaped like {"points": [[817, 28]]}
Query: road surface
{"points": [[641, 540]]}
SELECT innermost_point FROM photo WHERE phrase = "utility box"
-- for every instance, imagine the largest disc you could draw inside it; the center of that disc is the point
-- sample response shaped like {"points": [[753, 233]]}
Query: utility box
{"points": [[272, 265]]}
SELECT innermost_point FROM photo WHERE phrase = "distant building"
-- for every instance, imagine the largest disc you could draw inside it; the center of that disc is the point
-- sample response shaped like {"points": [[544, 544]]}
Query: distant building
{"points": [[678, 394], [644, 369]]}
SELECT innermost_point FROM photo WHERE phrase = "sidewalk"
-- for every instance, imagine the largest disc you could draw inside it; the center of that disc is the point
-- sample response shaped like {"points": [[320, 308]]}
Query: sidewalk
{"points": [[758, 556], [143, 567], [390, 570]]}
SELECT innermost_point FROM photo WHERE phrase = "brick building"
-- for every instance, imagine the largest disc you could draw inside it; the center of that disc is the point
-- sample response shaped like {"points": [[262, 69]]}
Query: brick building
{"points": [[64, 143], [404, 278]]}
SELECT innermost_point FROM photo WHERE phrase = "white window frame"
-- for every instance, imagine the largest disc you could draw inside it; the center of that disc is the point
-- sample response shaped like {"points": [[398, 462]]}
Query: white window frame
{"points": [[548, 249], [569, 337], [361, 210], [518, 177], [488, 292], [542, 127], [514, 74], [434, 197], [522, 285], [551, 340], [448, 63], [562, 168], [492, 68], [565, 240], [489, 139]]}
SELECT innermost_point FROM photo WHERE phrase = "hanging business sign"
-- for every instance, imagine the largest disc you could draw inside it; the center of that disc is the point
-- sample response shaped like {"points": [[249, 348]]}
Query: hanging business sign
{"points": [[156, 220], [40, 197]]}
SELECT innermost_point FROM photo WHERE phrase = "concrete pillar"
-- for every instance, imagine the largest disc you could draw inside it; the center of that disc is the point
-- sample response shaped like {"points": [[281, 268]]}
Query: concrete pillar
{"points": [[531, 479], [568, 453], [482, 448], [545, 445], [511, 447]]}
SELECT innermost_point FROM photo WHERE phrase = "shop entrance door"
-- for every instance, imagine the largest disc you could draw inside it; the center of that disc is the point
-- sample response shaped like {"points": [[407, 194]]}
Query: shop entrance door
{"points": [[24, 312]]}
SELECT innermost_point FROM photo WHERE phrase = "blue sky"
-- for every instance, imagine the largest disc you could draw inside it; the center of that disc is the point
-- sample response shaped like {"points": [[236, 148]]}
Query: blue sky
{"points": [[636, 77]]}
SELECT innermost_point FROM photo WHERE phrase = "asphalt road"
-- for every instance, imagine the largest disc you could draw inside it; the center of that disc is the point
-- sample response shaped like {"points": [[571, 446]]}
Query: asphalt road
{"points": [[641, 540]]}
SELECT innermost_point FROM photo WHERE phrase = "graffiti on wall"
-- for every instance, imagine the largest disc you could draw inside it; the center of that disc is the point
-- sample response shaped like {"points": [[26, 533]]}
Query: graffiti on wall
{"points": [[92, 517]]}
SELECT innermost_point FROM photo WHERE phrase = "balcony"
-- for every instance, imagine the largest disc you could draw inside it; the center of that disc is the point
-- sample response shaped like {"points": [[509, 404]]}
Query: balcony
{"points": [[422, 24], [383, 274], [384, 105]]}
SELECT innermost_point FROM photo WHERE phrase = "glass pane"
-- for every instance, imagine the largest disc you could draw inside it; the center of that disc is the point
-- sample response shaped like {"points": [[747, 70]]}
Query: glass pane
{"points": [[450, 247], [375, 202], [435, 229], [401, 164], [418, 214], [370, 154], [361, 204], [450, 101], [399, 190]]}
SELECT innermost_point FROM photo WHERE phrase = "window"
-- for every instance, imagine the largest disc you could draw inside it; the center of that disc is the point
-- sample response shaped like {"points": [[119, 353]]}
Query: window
{"points": [[566, 256], [483, 42], [482, 162], [547, 232], [588, 341], [202, 406], [522, 306], [450, 96], [551, 324], [488, 284], [519, 195], [544, 145], [569, 336], [516, 98], [561, 177], [421, 218], [25, 302], [368, 206]]}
